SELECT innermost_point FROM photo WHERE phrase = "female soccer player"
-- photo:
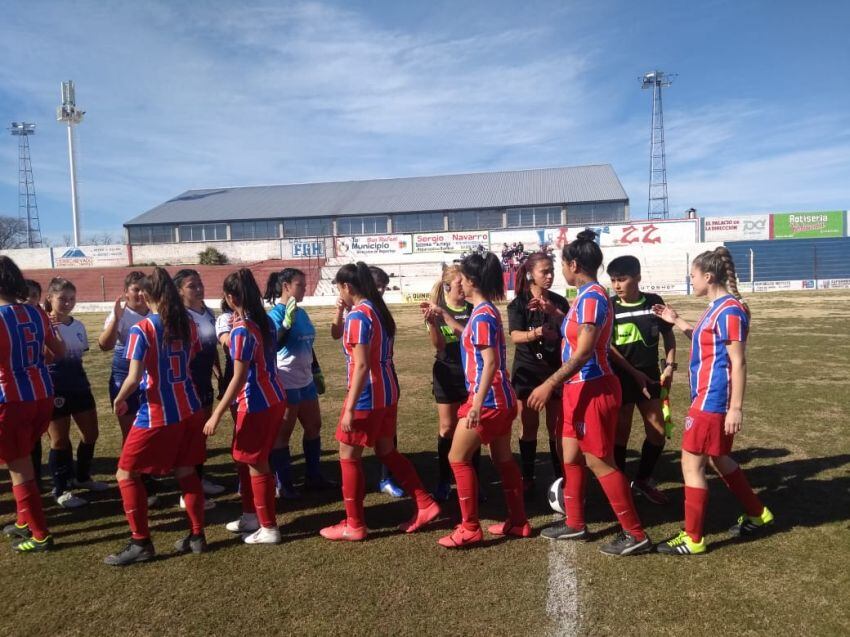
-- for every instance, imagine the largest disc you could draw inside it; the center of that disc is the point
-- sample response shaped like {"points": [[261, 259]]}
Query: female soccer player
{"points": [[167, 433], [26, 402], [261, 404], [369, 413], [294, 336], [445, 316], [591, 399], [72, 399], [534, 317], [205, 364], [718, 377], [489, 411], [34, 298]]}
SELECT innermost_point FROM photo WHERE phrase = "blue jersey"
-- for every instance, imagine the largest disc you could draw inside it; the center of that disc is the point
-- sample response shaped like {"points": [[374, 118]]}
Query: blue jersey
{"points": [[67, 372], [23, 374], [295, 358], [591, 306], [363, 326], [484, 330], [262, 389]]}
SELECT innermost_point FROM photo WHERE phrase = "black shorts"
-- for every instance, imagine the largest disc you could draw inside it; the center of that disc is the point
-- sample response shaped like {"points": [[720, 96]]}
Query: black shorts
{"points": [[526, 379], [74, 402], [449, 383], [632, 394]]}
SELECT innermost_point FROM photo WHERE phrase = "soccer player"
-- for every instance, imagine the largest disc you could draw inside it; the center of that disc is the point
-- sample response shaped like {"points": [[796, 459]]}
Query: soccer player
{"points": [[72, 399], [369, 413], [635, 357], [294, 337], [489, 411], [167, 433], [591, 397], [26, 402], [718, 377], [445, 317], [205, 364], [34, 298], [260, 397], [534, 319]]}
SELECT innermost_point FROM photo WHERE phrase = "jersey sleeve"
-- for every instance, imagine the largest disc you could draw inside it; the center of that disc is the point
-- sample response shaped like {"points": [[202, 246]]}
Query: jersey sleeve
{"points": [[242, 344], [276, 314], [358, 329], [109, 319], [484, 331], [222, 323], [137, 344], [84, 336], [592, 308], [732, 324], [517, 318]]}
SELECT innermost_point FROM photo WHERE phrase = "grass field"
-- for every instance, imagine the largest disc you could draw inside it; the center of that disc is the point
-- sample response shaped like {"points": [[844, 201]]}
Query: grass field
{"points": [[794, 581]]}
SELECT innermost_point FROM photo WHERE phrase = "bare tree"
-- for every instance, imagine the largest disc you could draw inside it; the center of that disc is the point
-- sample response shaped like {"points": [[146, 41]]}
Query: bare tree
{"points": [[13, 233], [107, 238]]}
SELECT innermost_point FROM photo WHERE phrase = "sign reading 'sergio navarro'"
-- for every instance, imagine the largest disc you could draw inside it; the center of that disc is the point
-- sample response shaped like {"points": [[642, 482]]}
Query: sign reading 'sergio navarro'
{"points": [[373, 244], [450, 241], [88, 256], [808, 225]]}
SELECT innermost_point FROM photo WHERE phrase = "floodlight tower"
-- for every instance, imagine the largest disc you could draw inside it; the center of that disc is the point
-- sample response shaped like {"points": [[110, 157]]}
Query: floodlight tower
{"points": [[27, 205], [657, 207], [70, 115]]}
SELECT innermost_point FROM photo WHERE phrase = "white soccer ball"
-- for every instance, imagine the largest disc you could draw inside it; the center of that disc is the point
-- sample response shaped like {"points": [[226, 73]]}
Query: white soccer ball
{"points": [[556, 496]]}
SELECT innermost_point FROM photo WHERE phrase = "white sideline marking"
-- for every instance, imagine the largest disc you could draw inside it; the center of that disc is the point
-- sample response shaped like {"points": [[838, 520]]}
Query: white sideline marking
{"points": [[562, 596]]}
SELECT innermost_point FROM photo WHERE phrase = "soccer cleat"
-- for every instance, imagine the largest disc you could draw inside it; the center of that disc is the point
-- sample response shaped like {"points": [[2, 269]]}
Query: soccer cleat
{"points": [[506, 528], [647, 489], [31, 545], [390, 488], [461, 537], [562, 531], [208, 503], [344, 532], [626, 544], [263, 535], [749, 525], [421, 518], [682, 544], [211, 488], [320, 483], [191, 544], [287, 491], [91, 485], [247, 523], [443, 492], [135, 551], [70, 501], [14, 531]]}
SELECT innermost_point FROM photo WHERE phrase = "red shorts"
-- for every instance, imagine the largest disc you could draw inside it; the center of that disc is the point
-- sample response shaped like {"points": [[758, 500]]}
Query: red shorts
{"points": [[160, 450], [705, 434], [591, 410], [368, 426], [255, 433], [492, 423], [21, 425]]}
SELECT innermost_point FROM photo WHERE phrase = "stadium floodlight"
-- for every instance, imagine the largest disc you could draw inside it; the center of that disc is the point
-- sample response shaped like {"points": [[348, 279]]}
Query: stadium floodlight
{"points": [[27, 204], [22, 128], [657, 206], [68, 113]]}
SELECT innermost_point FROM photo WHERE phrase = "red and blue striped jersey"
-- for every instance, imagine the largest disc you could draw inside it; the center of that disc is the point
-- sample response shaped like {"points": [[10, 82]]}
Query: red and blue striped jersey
{"points": [[483, 330], [167, 392], [590, 306], [23, 372], [262, 388], [363, 326], [710, 370]]}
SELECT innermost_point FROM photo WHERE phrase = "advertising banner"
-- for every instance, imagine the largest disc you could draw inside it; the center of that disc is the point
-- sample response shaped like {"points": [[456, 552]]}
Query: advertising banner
{"points": [[88, 256], [637, 233], [303, 248], [808, 225], [450, 241], [744, 228], [373, 244]]}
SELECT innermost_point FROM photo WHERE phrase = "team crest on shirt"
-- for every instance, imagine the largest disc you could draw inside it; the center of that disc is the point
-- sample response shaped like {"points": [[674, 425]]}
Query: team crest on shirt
{"points": [[689, 422], [59, 402], [580, 428]]}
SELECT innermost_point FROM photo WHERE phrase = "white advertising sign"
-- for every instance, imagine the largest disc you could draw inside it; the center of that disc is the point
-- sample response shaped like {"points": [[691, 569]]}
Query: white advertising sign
{"points": [[88, 256], [374, 244], [745, 228], [637, 233], [450, 241], [303, 248]]}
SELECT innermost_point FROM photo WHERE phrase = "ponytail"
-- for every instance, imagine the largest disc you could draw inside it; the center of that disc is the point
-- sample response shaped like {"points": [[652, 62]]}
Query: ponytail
{"points": [[524, 276], [160, 288], [438, 292], [359, 277], [485, 272], [719, 264], [585, 252], [242, 286], [273, 288]]}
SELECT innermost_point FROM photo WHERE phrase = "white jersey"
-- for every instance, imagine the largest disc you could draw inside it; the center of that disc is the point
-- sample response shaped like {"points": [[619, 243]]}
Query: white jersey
{"points": [[67, 372], [206, 323], [223, 324], [128, 319]]}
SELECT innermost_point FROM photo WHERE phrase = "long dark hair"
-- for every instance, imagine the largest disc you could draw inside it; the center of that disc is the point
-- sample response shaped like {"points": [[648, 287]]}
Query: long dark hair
{"points": [[160, 288], [242, 286], [522, 284], [360, 279], [585, 251], [274, 284], [57, 285], [184, 274], [12, 281], [485, 272]]}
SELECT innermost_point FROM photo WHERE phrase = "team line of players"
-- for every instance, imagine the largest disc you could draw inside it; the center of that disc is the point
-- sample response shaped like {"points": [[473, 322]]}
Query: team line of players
{"points": [[165, 359]]}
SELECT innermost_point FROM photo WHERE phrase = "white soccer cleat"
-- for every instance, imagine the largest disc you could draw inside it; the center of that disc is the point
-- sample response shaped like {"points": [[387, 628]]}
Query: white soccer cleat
{"points": [[70, 501], [263, 535], [247, 523]]}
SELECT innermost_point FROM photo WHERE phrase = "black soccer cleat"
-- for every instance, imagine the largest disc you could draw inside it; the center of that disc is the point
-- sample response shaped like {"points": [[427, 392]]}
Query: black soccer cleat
{"points": [[561, 531], [191, 544], [626, 544], [135, 551]]}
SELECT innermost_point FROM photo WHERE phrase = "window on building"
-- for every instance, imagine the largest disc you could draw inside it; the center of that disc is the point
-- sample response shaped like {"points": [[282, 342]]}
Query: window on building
{"points": [[423, 222], [539, 217], [475, 219], [311, 227], [603, 212], [350, 226], [203, 232], [262, 229], [146, 235]]}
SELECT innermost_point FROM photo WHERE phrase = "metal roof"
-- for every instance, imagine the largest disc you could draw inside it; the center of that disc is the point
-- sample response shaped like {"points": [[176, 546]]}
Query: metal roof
{"points": [[537, 187]]}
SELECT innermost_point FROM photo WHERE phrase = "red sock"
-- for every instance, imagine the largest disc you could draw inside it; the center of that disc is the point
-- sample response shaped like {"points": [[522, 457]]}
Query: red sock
{"points": [[738, 484], [28, 503], [467, 493], [616, 489], [246, 490], [135, 499], [575, 478], [404, 471], [193, 496], [263, 486], [696, 500], [512, 487], [353, 491]]}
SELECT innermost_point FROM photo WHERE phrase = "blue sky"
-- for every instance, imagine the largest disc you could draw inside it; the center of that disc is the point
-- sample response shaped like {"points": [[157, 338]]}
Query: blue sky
{"points": [[207, 94]]}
